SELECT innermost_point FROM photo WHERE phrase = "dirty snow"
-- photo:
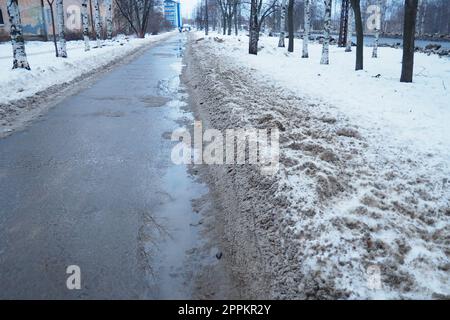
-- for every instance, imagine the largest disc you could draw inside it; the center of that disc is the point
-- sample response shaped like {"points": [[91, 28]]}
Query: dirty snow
{"points": [[417, 113], [364, 174]]}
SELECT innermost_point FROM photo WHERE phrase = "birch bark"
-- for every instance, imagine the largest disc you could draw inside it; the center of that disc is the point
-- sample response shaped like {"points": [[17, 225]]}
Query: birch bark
{"points": [[62, 51], [85, 23], [97, 23], [18, 44], [109, 24], [282, 24], [307, 27], [348, 47], [377, 31], [326, 34]]}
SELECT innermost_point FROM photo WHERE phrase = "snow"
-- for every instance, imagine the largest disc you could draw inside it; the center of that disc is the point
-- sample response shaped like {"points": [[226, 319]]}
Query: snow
{"points": [[47, 70], [416, 113], [385, 201]]}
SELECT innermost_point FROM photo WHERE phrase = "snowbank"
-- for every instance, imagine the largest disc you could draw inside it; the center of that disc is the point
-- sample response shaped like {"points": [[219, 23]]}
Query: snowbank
{"points": [[363, 188], [47, 70], [417, 113]]}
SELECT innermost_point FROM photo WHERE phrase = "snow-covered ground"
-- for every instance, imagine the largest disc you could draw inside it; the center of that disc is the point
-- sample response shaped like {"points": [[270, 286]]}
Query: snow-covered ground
{"points": [[47, 70], [417, 113], [365, 163]]}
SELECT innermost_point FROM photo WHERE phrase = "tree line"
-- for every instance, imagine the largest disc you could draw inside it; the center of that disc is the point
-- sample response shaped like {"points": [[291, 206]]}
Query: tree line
{"points": [[140, 17], [433, 17], [221, 14]]}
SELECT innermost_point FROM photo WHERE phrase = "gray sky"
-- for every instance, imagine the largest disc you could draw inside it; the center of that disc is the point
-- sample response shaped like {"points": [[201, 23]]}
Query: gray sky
{"points": [[186, 7]]}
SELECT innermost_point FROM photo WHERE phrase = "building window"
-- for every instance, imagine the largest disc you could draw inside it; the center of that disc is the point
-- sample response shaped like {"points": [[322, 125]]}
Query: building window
{"points": [[1, 18]]}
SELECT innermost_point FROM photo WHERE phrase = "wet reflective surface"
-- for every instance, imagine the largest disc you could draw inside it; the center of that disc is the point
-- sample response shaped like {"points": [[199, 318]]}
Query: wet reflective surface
{"points": [[92, 184]]}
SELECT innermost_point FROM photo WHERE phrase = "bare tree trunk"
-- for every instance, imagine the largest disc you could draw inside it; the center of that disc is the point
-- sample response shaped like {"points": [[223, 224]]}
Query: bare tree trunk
{"points": [[62, 52], [224, 19], [229, 20], [282, 24], [17, 41], [422, 20], [206, 18], [85, 22], [235, 15], [109, 22], [409, 29], [254, 28], [98, 26], [50, 4], [217, 20], [92, 18], [384, 21], [44, 22], [356, 5], [348, 47], [307, 26], [240, 17], [377, 31], [448, 18], [375, 44], [291, 25], [326, 34]]}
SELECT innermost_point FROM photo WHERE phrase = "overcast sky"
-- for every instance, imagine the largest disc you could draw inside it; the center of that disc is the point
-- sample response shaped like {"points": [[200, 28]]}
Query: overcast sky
{"points": [[186, 7]]}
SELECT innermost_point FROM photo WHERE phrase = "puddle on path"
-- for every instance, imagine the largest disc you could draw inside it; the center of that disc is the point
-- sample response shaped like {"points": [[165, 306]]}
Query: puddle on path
{"points": [[174, 239]]}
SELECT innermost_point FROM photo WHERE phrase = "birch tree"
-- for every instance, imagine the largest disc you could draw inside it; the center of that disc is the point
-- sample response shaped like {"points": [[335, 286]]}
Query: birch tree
{"points": [[282, 24], [377, 26], [17, 41], [307, 26], [50, 4], [109, 23], [409, 28], [62, 51], [98, 26], [351, 19], [85, 23], [423, 13], [259, 10], [326, 34]]}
